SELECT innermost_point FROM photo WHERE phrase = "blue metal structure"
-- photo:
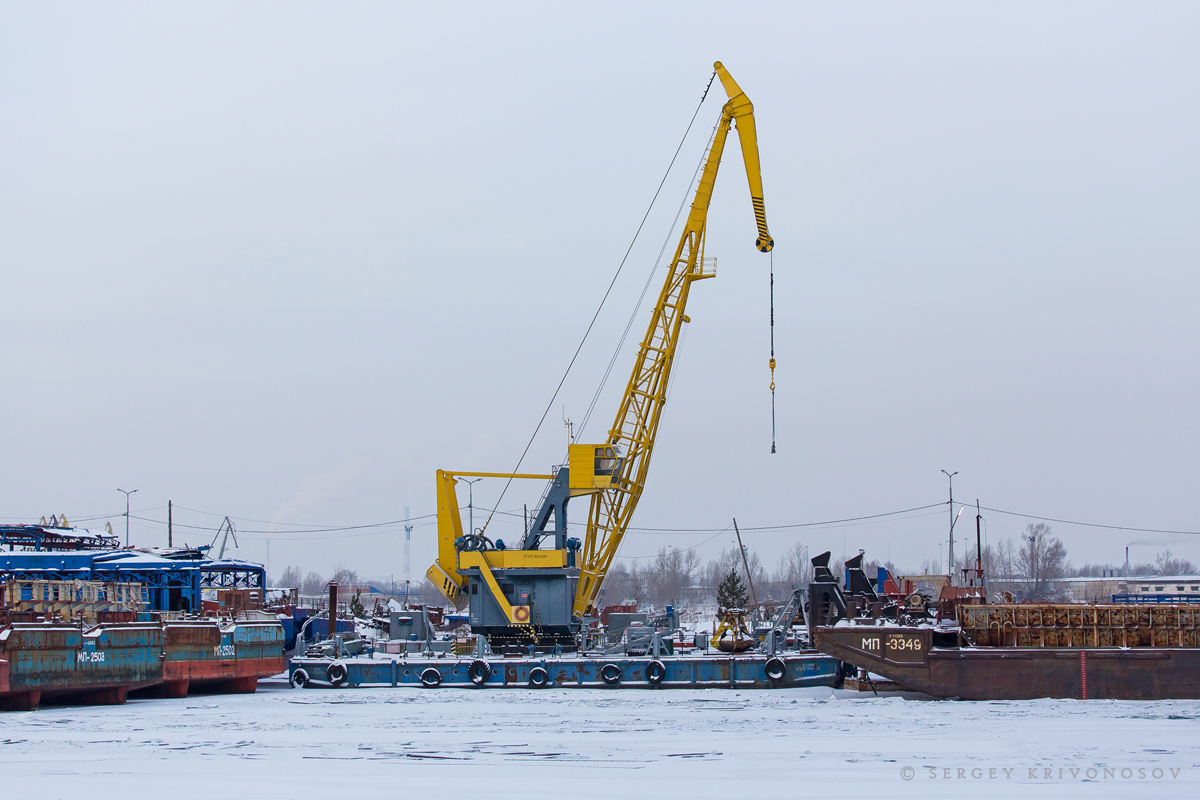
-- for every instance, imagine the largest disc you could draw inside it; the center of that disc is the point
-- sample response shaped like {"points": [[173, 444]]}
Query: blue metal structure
{"points": [[54, 537], [1156, 598], [229, 573], [172, 584]]}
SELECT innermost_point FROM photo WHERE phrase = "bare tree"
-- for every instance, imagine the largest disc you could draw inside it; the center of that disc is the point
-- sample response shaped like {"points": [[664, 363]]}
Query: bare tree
{"points": [[795, 569], [1169, 565], [312, 584], [624, 584], [1043, 559], [933, 567], [670, 574], [291, 578], [1005, 560], [344, 575]]}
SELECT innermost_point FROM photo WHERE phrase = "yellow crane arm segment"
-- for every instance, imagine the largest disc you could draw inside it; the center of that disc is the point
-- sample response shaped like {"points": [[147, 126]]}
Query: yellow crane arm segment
{"points": [[443, 573], [637, 420], [742, 110]]}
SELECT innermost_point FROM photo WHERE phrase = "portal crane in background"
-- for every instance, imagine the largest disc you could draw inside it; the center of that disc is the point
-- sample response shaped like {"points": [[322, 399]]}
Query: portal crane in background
{"points": [[541, 595]]}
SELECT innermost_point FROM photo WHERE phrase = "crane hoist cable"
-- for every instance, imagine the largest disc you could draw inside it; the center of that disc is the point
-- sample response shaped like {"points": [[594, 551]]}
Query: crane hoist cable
{"points": [[608, 291], [772, 362]]}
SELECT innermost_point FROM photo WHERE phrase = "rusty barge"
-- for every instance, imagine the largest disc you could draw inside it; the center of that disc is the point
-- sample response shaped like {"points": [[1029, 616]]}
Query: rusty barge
{"points": [[1038, 651], [87, 642], [108, 663], [969, 649]]}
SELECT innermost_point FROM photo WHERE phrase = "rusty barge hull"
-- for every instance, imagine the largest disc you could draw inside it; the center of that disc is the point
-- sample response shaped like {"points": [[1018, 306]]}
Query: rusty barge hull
{"points": [[908, 657], [206, 656], [64, 663], [59, 663]]}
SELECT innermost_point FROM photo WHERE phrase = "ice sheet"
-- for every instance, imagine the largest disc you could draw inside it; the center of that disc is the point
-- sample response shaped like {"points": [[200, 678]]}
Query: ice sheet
{"points": [[575, 743]]}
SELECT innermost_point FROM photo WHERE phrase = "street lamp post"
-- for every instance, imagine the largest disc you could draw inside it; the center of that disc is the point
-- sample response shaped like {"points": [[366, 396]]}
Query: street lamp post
{"points": [[953, 519], [131, 491], [471, 502]]}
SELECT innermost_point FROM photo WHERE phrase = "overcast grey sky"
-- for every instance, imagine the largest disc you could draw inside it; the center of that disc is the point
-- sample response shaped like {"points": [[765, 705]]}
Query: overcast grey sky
{"points": [[283, 261]]}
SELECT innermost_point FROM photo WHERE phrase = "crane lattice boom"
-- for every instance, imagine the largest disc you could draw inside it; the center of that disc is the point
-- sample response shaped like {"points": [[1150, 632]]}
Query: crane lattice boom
{"points": [[636, 424]]}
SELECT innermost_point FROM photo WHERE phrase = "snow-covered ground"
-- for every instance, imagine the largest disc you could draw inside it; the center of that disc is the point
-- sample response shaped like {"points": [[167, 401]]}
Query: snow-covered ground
{"points": [[575, 743]]}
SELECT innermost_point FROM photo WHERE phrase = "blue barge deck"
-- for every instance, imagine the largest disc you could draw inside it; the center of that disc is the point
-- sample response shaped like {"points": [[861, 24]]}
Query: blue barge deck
{"points": [[744, 671]]}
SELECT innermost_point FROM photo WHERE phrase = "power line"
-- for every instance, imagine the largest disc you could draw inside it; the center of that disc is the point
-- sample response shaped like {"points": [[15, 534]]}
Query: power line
{"points": [[641, 298], [261, 521], [603, 299], [93, 517], [425, 520], [332, 529], [1089, 524], [683, 549], [794, 524]]}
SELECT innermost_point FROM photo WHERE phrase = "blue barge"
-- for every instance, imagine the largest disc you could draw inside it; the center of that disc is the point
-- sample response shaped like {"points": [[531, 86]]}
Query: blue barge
{"points": [[753, 671]]}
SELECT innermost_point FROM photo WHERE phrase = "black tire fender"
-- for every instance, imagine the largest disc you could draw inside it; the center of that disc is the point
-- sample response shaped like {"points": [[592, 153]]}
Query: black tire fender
{"points": [[479, 672], [336, 674], [299, 679], [430, 677], [655, 672], [611, 674], [538, 678], [775, 669]]}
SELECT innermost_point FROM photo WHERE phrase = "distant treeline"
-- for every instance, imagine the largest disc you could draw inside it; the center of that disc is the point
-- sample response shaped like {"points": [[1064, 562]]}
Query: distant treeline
{"points": [[676, 576]]}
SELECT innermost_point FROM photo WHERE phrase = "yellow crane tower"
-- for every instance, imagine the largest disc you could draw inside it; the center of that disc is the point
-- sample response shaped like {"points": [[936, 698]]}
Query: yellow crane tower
{"points": [[540, 595]]}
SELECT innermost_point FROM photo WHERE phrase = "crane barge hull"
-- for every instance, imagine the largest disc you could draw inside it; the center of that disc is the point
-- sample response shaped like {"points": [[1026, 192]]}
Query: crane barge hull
{"points": [[756, 671]]}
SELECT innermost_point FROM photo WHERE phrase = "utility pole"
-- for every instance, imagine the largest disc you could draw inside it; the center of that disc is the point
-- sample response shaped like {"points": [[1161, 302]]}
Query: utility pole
{"points": [[1033, 568], [131, 491], [171, 527], [746, 563], [471, 501], [407, 551], [953, 519], [979, 547]]}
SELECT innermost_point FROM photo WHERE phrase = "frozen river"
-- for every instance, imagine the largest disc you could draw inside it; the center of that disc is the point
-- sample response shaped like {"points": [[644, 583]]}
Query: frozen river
{"points": [[525, 743]]}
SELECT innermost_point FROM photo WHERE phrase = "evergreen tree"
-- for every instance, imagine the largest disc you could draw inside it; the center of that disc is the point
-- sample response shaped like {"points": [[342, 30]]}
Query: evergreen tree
{"points": [[356, 607], [731, 593]]}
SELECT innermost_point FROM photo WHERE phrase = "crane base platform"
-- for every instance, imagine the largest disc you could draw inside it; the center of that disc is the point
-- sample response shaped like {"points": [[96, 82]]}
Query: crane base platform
{"points": [[743, 671]]}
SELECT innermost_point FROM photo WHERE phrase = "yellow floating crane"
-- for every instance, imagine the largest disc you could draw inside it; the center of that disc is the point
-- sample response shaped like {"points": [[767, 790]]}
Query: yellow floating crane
{"points": [[540, 596]]}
